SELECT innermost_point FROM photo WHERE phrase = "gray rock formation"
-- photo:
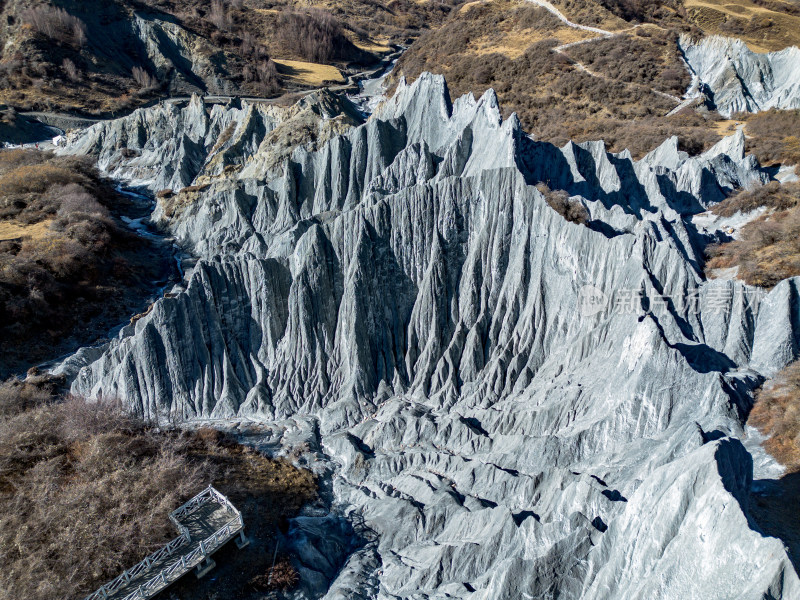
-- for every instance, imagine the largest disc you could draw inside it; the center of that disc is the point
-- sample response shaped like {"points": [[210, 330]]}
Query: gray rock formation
{"points": [[515, 406], [736, 79], [175, 144], [189, 62]]}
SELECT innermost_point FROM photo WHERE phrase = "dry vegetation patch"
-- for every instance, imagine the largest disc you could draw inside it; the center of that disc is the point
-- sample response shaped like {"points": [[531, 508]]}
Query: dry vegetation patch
{"points": [[774, 136], [83, 55], [765, 25], [777, 414], [593, 14], [65, 262], [559, 200], [768, 249], [308, 73], [648, 57], [86, 490], [773, 196], [557, 101]]}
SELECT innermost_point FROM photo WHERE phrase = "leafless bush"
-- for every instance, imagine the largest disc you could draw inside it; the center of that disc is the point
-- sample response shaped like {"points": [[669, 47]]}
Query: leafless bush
{"points": [[773, 195], [79, 34], [75, 199], [57, 24], [777, 414], [71, 70], [283, 576], [219, 16], [266, 78], [315, 35], [572, 210], [143, 78], [248, 44]]}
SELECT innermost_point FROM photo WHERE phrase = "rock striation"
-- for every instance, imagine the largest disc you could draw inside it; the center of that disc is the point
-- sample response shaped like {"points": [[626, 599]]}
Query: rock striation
{"points": [[512, 405], [736, 79], [175, 144]]}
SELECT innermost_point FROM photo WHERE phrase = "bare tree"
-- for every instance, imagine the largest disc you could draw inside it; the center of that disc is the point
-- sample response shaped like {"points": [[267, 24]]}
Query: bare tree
{"points": [[71, 70], [79, 34], [315, 35], [144, 78], [57, 24], [219, 15]]}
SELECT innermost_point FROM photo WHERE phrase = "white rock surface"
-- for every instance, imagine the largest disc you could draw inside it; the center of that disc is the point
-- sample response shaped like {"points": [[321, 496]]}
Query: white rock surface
{"points": [[736, 79], [407, 289]]}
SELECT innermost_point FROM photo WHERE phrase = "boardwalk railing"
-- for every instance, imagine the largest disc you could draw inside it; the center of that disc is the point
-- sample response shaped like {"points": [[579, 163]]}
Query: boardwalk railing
{"points": [[188, 561]]}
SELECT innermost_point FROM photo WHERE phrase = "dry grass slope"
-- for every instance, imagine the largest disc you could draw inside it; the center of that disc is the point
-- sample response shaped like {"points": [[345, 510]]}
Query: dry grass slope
{"points": [[777, 414], [555, 99], [85, 490], [765, 25], [768, 249], [774, 136], [65, 262]]}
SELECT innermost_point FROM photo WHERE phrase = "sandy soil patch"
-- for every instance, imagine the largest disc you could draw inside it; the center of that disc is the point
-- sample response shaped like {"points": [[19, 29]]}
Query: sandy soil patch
{"points": [[309, 73]]}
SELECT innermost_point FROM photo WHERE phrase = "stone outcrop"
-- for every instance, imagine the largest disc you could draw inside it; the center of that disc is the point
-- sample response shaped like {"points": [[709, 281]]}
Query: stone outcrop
{"points": [[736, 79], [190, 63], [513, 405], [175, 144]]}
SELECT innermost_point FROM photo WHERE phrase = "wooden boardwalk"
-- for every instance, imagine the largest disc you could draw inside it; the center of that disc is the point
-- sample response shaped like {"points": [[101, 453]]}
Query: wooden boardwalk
{"points": [[205, 523]]}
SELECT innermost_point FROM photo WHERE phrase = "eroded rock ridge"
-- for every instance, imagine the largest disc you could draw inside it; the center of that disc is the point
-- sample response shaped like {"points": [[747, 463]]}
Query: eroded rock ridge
{"points": [[517, 406]]}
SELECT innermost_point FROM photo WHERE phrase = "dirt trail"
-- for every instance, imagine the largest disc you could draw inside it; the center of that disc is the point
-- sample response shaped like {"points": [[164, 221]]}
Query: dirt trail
{"points": [[602, 34]]}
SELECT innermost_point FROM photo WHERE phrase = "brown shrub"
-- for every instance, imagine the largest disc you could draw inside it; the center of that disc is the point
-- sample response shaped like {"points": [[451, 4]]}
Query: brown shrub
{"points": [[773, 196], [85, 491], [572, 210], [773, 136], [209, 435], [777, 414], [767, 251], [283, 576]]}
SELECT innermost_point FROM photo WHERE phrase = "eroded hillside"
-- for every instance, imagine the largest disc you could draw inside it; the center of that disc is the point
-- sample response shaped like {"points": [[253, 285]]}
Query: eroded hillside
{"points": [[104, 57], [507, 350]]}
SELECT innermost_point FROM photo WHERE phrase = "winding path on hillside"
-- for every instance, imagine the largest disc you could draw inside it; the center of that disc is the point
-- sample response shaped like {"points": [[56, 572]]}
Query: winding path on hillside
{"points": [[602, 34], [547, 6]]}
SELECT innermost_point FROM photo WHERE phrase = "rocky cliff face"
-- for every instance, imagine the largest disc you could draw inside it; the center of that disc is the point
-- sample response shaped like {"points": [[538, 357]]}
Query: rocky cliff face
{"points": [[516, 406], [736, 79], [175, 144]]}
